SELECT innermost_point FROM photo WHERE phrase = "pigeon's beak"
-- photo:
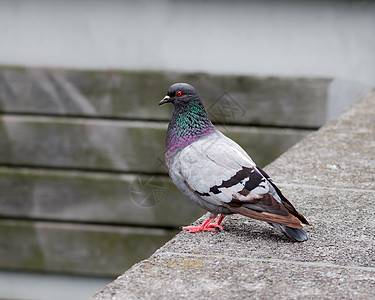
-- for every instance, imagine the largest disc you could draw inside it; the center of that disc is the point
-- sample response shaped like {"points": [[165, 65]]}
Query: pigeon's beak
{"points": [[166, 99]]}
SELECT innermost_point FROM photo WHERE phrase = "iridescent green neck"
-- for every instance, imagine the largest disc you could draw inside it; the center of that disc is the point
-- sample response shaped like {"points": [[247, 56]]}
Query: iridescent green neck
{"points": [[189, 122]]}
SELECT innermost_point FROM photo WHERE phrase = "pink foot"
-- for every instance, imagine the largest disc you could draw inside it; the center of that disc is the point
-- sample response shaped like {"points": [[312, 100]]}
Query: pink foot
{"points": [[207, 225], [197, 228], [217, 224], [214, 225]]}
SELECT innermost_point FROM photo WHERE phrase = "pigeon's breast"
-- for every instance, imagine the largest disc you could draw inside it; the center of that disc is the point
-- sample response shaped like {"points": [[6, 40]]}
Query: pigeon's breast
{"points": [[209, 161]]}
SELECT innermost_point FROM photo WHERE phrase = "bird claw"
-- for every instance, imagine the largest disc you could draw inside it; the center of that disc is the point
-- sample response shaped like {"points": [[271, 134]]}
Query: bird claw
{"points": [[206, 225], [197, 228], [214, 225]]}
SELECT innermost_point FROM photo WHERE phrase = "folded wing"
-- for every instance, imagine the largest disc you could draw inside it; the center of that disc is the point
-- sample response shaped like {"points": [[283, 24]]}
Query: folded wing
{"points": [[221, 172]]}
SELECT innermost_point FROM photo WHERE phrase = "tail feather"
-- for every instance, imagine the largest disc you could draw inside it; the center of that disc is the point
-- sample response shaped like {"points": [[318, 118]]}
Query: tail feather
{"points": [[295, 234], [288, 220]]}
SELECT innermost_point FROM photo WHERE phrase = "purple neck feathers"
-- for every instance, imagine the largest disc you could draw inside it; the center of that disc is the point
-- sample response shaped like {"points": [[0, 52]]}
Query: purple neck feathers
{"points": [[187, 125]]}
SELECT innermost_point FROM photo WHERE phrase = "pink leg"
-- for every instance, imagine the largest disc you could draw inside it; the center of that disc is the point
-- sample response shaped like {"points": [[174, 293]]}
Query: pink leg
{"points": [[217, 224], [206, 225]]}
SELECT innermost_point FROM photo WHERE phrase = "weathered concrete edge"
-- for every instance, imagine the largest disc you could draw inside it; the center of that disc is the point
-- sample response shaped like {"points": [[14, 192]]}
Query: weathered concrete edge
{"points": [[166, 253]]}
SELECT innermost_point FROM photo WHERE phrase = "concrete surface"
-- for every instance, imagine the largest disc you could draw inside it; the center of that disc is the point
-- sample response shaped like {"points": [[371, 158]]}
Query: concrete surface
{"points": [[329, 176]]}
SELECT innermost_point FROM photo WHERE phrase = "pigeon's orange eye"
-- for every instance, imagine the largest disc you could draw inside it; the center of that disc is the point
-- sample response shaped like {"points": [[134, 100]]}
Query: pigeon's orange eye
{"points": [[179, 93]]}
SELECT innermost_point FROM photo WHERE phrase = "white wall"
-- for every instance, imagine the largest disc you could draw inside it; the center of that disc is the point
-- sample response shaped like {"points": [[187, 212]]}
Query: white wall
{"points": [[334, 39]]}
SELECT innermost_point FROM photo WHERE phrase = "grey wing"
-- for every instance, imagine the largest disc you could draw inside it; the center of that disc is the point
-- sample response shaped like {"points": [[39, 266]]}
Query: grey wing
{"points": [[221, 173], [219, 170]]}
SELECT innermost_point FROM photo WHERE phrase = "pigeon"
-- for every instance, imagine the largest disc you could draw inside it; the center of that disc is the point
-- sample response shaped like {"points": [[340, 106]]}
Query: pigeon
{"points": [[217, 174]]}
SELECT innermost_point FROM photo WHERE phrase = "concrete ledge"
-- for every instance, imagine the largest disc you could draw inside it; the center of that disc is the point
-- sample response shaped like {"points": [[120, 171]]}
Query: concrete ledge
{"points": [[329, 176]]}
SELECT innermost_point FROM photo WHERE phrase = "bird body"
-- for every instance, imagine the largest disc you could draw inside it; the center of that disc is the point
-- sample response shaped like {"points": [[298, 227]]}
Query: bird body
{"points": [[217, 174]]}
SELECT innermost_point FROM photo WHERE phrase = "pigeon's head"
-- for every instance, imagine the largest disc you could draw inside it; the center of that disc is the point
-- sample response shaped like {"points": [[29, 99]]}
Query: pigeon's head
{"points": [[180, 94]]}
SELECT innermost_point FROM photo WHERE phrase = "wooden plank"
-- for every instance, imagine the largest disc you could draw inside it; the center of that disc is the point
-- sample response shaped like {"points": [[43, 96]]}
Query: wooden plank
{"points": [[75, 248], [297, 102], [115, 145], [94, 198]]}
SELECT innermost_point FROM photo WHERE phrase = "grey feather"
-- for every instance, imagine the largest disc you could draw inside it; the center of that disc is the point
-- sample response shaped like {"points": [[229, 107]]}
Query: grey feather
{"points": [[295, 234]]}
